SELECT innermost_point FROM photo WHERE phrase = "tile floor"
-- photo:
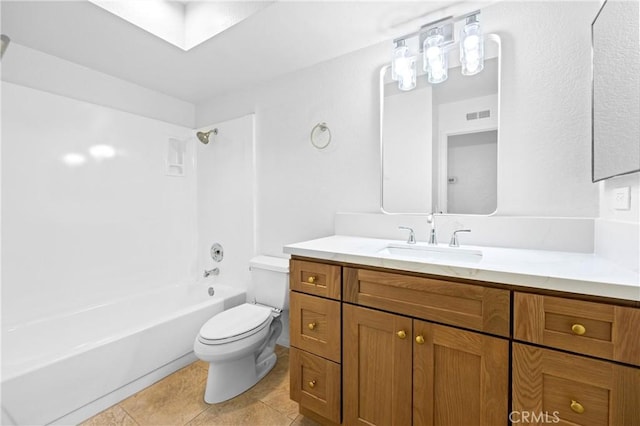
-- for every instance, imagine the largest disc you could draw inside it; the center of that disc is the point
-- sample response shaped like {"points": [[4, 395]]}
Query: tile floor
{"points": [[178, 400]]}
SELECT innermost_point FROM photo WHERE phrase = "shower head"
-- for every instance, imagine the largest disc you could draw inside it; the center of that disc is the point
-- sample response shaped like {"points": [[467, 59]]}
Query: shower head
{"points": [[4, 43], [204, 136]]}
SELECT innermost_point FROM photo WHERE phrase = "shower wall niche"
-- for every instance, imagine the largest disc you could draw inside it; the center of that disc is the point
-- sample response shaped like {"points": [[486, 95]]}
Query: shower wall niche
{"points": [[176, 152]]}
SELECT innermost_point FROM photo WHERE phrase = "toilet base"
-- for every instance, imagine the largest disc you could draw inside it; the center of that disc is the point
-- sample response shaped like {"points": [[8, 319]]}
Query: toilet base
{"points": [[230, 379]]}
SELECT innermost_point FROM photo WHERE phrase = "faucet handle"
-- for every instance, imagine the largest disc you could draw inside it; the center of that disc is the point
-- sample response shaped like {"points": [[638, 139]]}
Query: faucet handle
{"points": [[412, 234], [214, 271], [454, 237]]}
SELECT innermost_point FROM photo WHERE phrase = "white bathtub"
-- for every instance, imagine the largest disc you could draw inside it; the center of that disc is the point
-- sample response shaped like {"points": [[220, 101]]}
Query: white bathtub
{"points": [[67, 368]]}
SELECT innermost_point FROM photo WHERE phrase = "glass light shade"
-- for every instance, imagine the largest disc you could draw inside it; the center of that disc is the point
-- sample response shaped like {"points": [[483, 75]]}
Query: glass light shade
{"points": [[471, 47], [407, 73], [435, 60], [400, 52]]}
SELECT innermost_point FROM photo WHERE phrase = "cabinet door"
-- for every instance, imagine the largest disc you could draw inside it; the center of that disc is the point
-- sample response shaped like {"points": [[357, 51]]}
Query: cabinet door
{"points": [[459, 377], [551, 386], [377, 367]]}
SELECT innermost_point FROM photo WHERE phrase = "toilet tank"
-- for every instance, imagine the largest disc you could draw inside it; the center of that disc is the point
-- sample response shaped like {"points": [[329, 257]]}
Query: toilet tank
{"points": [[270, 281]]}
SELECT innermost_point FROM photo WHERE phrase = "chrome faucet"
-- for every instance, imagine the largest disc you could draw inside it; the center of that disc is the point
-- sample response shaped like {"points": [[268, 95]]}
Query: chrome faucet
{"points": [[431, 219], [214, 271], [412, 234], [454, 237]]}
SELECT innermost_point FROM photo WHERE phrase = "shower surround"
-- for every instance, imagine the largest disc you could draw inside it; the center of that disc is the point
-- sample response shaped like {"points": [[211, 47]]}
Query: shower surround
{"points": [[104, 248]]}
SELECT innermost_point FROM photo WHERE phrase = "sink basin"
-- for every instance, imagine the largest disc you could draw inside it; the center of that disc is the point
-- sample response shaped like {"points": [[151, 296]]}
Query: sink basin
{"points": [[431, 253]]}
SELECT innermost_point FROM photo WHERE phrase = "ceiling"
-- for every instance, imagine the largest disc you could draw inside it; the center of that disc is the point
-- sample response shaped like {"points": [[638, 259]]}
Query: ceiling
{"points": [[283, 37]]}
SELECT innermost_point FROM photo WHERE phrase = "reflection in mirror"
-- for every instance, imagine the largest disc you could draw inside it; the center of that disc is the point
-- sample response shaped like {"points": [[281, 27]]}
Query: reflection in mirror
{"points": [[439, 142], [616, 89]]}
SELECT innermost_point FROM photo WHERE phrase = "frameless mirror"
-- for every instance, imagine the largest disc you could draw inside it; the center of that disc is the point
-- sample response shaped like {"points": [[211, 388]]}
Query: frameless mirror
{"points": [[439, 143], [616, 90]]}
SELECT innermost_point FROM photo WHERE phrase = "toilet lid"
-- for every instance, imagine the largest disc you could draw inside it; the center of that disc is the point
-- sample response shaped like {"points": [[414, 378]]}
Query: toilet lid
{"points": [[236, 321]]}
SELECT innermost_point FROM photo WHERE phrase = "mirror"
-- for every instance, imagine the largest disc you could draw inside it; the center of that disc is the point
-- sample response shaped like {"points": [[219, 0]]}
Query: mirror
{"points": [[439, 143], [616, 90]]}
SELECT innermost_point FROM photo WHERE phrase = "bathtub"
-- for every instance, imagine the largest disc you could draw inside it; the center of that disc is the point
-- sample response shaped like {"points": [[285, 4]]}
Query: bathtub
{"points": [[66, 368]]}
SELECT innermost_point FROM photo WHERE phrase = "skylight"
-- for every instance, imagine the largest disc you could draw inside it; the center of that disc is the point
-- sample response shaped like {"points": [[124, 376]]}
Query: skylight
{"points": [[184, 24]]}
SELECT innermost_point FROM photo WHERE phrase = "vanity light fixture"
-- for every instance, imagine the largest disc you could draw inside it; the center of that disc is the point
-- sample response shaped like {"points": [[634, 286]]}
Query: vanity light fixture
{"points": [[435, 60], [435, 40], [403, 66], [471, 47]]}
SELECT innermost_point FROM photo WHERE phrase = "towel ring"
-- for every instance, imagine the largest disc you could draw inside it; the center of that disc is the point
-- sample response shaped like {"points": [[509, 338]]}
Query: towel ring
{"points": [[320, 135]]}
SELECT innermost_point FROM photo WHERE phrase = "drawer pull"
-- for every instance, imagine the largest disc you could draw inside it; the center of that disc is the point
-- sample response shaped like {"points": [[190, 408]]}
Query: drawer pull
{"points": [[311, 325], [578, 329], [577, 407], [420, 340], [311, 279], [312, 384], [401, 334]]}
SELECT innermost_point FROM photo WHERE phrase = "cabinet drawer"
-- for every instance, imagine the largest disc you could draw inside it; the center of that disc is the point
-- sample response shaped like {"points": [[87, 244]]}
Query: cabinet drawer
{"points": [[315, 325], [316, 278], [464, 305], [597, 329], [315, 384], [557, 387]]}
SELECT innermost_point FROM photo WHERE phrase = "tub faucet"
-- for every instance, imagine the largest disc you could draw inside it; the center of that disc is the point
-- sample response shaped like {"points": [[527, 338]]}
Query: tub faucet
{"points": [[214, 271], [431, 219], [412, 234]]}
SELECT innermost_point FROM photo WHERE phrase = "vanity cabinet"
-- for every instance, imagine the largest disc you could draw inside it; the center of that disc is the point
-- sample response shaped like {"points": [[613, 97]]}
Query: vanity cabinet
{"points": [[403, 371], [421, 350]]}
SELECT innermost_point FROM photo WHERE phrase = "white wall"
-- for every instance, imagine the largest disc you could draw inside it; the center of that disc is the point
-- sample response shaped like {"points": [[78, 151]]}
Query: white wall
{"points": [[545, 133], [32, 68], [544, 137], [76, 235], [299, 187], [617, 232]]}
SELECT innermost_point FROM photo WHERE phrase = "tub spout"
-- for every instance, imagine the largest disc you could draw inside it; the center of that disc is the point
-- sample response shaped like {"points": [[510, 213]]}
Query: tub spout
{"points": [[214, 271]]}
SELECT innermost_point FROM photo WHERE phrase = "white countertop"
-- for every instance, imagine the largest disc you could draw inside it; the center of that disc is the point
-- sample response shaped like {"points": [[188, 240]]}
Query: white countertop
{"points": [[552, 270]]}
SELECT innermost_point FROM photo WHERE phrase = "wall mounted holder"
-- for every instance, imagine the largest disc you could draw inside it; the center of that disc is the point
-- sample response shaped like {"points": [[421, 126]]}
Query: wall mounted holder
{"points": [[320, 136]]}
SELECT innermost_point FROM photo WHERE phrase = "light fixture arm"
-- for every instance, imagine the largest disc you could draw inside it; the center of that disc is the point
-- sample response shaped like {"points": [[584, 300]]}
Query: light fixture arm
{"points": [[445, 23]]}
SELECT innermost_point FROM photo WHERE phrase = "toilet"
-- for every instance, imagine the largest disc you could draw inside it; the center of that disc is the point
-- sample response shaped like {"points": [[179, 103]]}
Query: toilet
{"points": [[239, 343]]}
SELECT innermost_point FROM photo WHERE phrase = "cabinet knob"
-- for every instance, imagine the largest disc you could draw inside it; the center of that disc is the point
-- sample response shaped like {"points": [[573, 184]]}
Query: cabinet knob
{"points": [[311, 325], [401, 334], [419, 340], [578, 329], [577, 407], [312, 384], [311, 279]]}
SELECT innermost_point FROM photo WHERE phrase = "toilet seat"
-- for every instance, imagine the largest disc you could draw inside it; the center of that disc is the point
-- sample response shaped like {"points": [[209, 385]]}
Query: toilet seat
{"points": [[235, 324]]}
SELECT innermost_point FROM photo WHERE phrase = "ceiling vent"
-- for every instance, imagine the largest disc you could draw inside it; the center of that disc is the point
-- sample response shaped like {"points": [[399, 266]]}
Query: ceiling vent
{"points": [[479, 114]]}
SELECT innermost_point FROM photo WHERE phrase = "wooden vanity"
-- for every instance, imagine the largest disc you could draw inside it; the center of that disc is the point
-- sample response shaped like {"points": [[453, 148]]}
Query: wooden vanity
{"points": [[377, 346]]}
